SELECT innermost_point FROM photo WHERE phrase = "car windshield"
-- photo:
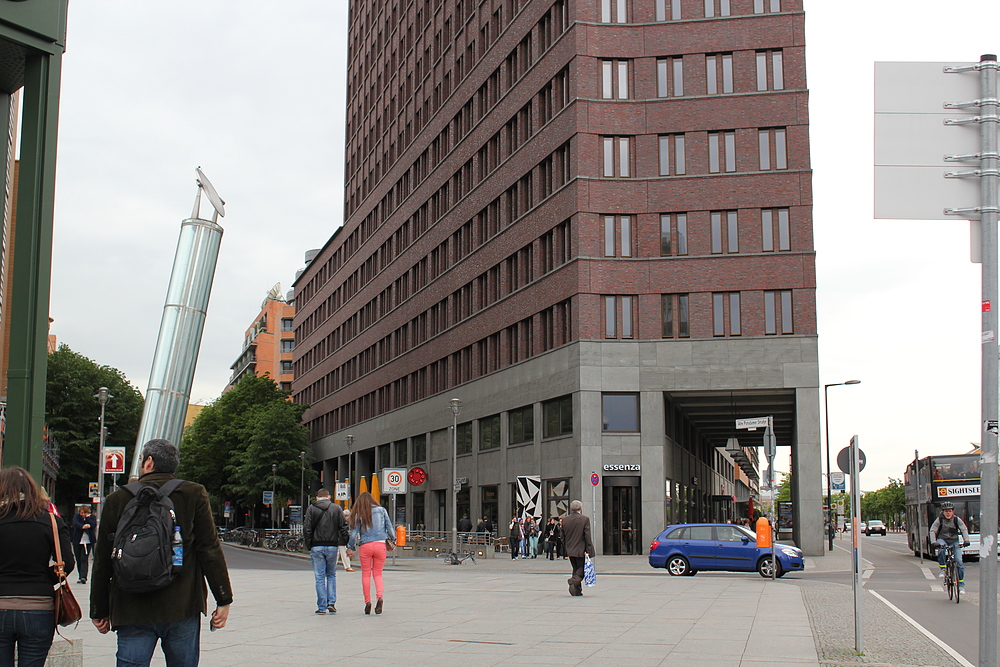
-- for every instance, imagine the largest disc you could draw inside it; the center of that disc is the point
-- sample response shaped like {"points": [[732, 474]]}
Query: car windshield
{"points": [[752, 535], [874, 523]]}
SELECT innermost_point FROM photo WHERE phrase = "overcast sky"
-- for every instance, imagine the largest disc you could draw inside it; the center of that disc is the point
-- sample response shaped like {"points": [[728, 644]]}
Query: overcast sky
{"points": [[253, 92]]}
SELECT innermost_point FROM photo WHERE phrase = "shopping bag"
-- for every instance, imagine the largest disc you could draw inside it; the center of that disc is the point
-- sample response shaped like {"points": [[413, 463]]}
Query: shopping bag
{"points": [[589, 573]]}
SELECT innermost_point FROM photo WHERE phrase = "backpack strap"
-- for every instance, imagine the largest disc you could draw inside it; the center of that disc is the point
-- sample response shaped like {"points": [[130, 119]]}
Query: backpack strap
{"points": [[169, 487]]}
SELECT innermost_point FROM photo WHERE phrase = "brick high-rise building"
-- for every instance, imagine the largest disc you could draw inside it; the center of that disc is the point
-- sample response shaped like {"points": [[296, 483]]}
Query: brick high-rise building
{"points": [[589, 220]]}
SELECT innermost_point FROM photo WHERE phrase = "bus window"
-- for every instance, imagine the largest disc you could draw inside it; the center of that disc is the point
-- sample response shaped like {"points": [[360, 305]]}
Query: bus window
{"points": [[956, 468]]}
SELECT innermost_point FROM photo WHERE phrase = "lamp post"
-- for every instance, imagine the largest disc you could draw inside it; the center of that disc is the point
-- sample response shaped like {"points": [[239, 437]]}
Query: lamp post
{"points": [[102, 397], [350, 468], [456, 407], [274, 478], [829, 492], [302, 486]]}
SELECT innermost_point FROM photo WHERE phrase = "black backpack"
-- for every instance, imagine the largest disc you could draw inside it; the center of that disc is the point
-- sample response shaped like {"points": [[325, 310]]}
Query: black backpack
{"points": [[142, 545]]}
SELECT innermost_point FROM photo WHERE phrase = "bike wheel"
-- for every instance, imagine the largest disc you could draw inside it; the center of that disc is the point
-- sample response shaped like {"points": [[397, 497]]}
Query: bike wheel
{"points": [[949, 583], [955, 581]]}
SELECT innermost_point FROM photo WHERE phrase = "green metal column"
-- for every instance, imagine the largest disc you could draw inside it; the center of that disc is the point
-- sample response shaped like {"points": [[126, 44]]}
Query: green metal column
{"points": [[32, 34]]}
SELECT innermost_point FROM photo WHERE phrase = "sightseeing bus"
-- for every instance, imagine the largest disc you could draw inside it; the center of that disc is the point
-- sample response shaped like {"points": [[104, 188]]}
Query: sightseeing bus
{"points": [[954, 478]]}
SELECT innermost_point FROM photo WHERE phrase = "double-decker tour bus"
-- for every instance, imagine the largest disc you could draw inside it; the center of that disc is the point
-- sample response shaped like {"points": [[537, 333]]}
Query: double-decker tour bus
{"points": [[932, 480]]}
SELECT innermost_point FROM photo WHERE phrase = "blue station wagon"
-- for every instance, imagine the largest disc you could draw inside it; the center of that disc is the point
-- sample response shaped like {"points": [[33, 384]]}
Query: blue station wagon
{"points": [[688, 548]]}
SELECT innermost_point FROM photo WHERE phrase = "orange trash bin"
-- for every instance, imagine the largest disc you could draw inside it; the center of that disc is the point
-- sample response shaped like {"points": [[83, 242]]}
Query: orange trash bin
{"points": [[400, 536]]}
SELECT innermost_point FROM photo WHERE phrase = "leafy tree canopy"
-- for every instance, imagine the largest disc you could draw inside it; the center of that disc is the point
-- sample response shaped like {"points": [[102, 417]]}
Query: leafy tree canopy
{"points": [[72, 415], [887, 504]]}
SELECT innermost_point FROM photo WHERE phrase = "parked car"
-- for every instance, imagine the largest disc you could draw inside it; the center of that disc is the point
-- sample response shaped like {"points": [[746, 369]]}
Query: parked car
{"points": [[686, 549], [875, 526]]}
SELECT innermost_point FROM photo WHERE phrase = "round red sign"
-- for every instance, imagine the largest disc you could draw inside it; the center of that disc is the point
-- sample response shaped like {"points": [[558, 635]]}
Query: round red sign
{"points": [[416, 476]]}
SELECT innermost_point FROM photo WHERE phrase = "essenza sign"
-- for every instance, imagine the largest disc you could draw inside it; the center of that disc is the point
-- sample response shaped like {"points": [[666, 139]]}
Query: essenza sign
{"points": [[616, 467], [951, 491]]}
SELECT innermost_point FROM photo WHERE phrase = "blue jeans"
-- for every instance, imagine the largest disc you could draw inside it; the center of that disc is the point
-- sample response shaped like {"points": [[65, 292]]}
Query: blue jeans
{"points": [[180, 641], [943, 551], [324, 560], [31, 631]]}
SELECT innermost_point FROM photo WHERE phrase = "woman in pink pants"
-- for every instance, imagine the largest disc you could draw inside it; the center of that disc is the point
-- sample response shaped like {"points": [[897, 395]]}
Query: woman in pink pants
{"points": [[370, 526]]}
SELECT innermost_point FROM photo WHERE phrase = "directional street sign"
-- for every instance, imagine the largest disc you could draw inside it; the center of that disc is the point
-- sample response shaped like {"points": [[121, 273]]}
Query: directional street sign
{"points": [[268, 497], [753, 423]]}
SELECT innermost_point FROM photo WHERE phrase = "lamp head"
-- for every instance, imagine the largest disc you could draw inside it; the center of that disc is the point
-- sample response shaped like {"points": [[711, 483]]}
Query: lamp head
{"points": [[853, 382], [456, 406]]}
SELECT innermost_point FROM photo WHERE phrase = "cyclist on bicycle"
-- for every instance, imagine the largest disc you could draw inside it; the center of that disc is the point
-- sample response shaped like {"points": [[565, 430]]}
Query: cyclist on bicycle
{"points": [[945, 532]]}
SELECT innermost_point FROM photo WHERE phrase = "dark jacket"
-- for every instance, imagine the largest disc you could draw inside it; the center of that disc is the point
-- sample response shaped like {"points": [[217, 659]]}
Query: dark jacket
{"points": [[464, 525], [78, 528], [24, 568], [576, 535], [203, 559], [324, 525]]}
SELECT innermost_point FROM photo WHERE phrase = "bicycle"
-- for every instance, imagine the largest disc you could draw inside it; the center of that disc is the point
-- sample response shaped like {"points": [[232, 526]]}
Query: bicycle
{"points": [[951, 579], [457, 559]]}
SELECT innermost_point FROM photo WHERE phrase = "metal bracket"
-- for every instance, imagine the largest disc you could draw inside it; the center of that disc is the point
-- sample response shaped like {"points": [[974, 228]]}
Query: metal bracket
{"points": [[974, 67], [974, 209], [966, 121], [970, 103], [974, 172], [971, 157]]}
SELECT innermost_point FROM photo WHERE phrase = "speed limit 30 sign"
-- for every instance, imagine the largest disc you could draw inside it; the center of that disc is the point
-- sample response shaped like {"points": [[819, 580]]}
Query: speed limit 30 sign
{"points": [[393, 480]]}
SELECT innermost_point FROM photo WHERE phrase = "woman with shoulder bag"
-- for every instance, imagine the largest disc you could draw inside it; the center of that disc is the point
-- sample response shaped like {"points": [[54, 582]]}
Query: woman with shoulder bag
{"points": [[370, 528], [27, 579]]}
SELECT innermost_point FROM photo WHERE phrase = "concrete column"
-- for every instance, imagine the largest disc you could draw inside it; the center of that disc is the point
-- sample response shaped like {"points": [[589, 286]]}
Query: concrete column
{"points": [[591, 456], [806, 472], [652, 458]]}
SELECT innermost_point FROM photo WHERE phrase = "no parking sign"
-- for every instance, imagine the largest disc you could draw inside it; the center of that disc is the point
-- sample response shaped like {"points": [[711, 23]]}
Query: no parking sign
{"points": [[394, 480]]}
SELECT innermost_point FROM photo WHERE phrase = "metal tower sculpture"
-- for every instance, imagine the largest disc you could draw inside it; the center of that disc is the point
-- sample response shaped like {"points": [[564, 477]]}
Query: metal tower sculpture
{"points": [[179, 340]]}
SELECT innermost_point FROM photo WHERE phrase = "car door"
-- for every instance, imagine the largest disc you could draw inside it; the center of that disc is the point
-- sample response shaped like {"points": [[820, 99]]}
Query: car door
{"points": [[699, 547], [736, 550]]}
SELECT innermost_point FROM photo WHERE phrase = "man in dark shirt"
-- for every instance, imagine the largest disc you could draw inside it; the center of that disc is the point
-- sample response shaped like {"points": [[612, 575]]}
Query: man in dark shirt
{"points": [[325, 531], [170, 615]]}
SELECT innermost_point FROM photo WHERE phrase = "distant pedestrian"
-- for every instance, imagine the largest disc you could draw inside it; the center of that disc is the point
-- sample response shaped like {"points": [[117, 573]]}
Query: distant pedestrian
{"points": [[370, 526], [27, 580], [84, 539], [576, 535], [560, 541], [342, 549], [515, 538], [464, 525], [532, 537], [324, 530], [550, 536], [488, 525]]}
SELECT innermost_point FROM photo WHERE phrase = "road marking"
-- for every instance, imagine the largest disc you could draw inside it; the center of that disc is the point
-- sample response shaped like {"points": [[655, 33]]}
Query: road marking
{"points": [[867, 573], [928, 574], [927, 633]]}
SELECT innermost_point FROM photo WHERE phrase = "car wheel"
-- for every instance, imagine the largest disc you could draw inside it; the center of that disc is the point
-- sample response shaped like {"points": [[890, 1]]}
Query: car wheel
{"points": [[764, 567], [678, 566]]}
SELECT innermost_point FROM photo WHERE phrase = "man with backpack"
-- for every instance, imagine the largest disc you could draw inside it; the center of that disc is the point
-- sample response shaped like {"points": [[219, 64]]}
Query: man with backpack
{"points": [[156, 546], [945, 532], [324, 530]]}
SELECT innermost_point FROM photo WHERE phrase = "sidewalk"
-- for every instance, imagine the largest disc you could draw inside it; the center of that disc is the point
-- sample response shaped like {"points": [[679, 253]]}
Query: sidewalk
{"points": [[501, 610]]}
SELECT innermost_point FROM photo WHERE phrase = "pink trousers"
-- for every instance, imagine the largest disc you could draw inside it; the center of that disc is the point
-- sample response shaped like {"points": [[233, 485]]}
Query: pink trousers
{"points": [[372, 556]]}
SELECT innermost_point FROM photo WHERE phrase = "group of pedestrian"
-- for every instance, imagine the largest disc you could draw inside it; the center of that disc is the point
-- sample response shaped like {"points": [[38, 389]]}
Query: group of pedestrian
{"points": [[527, 540]]}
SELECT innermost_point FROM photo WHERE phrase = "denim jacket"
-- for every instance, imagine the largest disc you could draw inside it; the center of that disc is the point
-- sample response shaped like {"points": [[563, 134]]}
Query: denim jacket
{"points": [[381, 528]]}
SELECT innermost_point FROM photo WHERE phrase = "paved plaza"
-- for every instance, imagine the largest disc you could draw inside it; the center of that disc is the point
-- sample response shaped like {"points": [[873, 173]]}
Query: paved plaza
{"points": [[519, 612]]}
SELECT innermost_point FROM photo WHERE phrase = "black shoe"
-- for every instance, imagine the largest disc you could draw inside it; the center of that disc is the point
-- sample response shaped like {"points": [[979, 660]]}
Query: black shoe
{"points": [[331, 608], [321, 611], [81, 581], [368, 607], [378, 606]]}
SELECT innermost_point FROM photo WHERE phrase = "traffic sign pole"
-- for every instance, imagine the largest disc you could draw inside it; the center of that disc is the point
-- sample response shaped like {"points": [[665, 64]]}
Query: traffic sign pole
{"points": [[859, 633]]}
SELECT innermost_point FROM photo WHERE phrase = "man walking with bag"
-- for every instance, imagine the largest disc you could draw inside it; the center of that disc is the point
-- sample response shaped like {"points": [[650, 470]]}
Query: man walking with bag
{"points": [[325, 529], [578, 542], [146, 604]]}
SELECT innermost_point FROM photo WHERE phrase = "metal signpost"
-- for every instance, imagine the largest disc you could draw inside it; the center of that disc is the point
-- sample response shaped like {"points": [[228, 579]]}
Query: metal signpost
{"points": [[920, 539], [394, 482], [770, 444], [859, 633], [937, 102], [595, 479]]}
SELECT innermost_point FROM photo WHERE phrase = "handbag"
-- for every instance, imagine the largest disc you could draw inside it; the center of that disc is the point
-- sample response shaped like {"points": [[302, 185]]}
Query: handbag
{"points": [[67, 609], [390, 544], [390, 539], [589, 573]]}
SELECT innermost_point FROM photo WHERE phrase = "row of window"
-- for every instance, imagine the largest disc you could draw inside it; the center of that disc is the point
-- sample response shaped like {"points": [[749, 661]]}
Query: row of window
{"points": [[617, 11], [538, 333], [620, 315], [774, 223], [772, 153], [616, 81]]}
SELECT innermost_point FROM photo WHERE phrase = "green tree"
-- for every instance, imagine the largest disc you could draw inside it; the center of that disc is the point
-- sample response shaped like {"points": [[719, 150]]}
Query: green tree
{"points": [[886, 504], [72, 415], [784, 488], [232, 444]]}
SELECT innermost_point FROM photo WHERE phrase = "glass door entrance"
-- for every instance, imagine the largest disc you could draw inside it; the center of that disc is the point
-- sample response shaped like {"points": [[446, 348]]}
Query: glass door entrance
{"points": [[622, 522]]}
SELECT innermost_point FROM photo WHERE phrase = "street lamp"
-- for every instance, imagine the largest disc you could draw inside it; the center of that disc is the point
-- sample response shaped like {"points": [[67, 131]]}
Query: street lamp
{"points": [[274, 479], [829, 492], [302, 486], [350, 467], [456, 407], [102, 397]]}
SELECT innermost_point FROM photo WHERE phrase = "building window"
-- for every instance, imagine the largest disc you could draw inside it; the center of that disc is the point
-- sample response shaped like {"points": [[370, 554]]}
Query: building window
{"points": [[768, 219], [287, 368], [776, 80], [726, 308], [628, 316], [287, 345], [399, 448], [772, 149], [765, 6], [489, 432], [676, 323], [673, 234], [616, 157], [670, 77], [286, 324], [521, 424], [727, 240], [419, 448], [464, 438], [614, 79], [778, 312], [610, 318], [672, 155], [665, 8], [286, 386], [715, 8], [721, 151], [719, 73], [558, 416], [624, 224], [611, 322], [620, 412], [613, 11]]}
